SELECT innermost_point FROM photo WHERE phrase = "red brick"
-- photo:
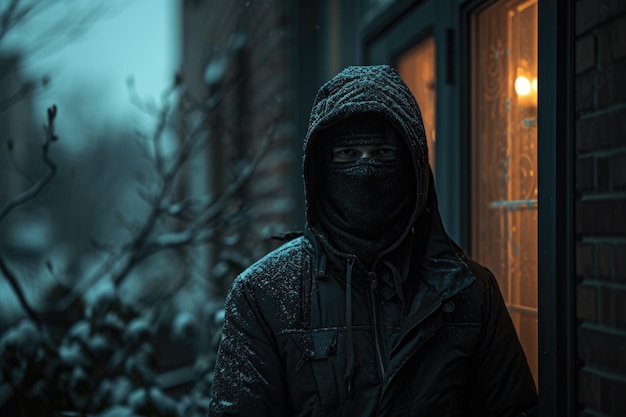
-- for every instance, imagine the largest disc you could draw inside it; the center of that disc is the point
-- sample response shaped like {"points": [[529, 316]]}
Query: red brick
{"points": [[585, 260], [603, 37], [620, 399], [619, 172], [587, 303], [618, 69], [612, 397], [604, 259], [604, 88], [607, 395], [618, 38], [601, 217], [601, 132], [585, 91], [591, 13], [620, 309], [620, 263], [589, 389], [602, 350], [602, 174], [585, 53], [611, 85], [605, 307], [585, 174]]}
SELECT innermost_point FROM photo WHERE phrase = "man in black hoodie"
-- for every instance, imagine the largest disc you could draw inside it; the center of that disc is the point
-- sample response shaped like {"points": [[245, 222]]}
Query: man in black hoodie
{"points": [[374, 311]]}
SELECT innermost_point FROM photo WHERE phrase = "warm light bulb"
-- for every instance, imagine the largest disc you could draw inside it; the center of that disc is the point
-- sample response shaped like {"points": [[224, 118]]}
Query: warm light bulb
{"points": [[522, 86], [534, 84]]}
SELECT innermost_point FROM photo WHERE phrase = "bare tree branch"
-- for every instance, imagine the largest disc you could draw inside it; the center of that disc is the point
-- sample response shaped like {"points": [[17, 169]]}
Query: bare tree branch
{"points": [[30, 312], [210, 215], [21, 297], [12, 15], [41, 30], [19, 200], [32, 192]]}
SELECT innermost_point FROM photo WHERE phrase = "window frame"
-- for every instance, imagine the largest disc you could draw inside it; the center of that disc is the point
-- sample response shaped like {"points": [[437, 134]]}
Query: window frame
{"points": [[396, 29], [555, 160], [472, 13], [556, 255], [557, 284]]}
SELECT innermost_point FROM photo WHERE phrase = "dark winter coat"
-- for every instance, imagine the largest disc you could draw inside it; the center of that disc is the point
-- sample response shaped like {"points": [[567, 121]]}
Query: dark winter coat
{"points": [[311, 331]]}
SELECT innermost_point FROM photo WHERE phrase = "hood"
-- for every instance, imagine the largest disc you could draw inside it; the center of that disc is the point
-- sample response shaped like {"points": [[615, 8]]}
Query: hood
{"points": [[379, 89], [355, 90], [422, 242]]}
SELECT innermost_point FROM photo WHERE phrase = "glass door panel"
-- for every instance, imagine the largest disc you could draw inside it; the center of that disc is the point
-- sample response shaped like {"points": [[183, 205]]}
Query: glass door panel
{"points": [[504, 156], [416, 66]]}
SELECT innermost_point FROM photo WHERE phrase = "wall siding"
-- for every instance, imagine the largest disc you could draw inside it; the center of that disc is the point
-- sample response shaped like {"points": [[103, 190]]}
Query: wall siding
{"points": [[266, 82], [600, 129]]}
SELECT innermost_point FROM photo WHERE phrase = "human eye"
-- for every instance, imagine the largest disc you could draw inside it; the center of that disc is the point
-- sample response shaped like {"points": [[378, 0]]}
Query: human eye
{"points": [[385, 152], [345, 154]]}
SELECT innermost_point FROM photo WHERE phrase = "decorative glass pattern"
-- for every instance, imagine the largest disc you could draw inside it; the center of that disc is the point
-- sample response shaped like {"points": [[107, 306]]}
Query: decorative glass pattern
{"points": [[504, 156], [416, 66]]}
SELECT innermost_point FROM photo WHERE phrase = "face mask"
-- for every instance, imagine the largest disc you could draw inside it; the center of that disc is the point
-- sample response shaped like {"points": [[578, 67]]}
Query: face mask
{"points": [[367, 197], [366, 204]]}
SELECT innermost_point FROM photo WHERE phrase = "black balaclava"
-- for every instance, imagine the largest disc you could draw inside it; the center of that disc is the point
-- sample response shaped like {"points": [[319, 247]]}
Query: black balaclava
{"points": [[364, 205]]}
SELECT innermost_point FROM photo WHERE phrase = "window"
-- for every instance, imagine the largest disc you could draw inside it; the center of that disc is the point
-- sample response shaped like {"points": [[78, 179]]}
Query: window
{"points": [[416, 66], [504, 156]]}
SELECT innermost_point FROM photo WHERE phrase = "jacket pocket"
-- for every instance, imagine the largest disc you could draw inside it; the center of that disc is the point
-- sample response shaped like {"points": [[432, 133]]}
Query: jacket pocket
{"points": [[320, 354], [318, 345]]}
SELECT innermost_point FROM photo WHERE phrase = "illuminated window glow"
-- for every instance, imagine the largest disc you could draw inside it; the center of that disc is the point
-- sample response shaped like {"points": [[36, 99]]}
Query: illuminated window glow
{"points": [[504, 157]]}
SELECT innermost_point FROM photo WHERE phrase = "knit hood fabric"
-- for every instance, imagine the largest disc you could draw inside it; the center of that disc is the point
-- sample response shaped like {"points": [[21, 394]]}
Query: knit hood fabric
{"points": [[360, 89], [380, 90]]}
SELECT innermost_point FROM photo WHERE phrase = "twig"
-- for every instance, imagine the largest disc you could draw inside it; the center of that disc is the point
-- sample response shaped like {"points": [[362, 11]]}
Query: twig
{"points": [[46, 339], [32, 192], [10, 147], [196, 232], [8, 274], [144, 244], [16, 202], [11, 16]]}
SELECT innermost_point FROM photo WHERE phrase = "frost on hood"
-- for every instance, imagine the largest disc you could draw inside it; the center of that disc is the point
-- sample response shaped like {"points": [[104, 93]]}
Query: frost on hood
{"points": [[378, 89]]}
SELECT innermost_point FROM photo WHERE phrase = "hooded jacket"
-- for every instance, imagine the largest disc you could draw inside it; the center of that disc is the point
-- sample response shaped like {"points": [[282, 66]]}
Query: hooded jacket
{"points": [[420, 330]]}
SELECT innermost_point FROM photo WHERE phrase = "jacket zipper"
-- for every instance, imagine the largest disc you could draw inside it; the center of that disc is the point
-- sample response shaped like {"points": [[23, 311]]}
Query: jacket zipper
{"points": [[377, 335], [428, 312]]}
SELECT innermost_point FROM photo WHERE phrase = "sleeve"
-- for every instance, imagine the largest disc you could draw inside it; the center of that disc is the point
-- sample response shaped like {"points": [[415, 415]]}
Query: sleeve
{"points": [[501, 384], [249, 377]]}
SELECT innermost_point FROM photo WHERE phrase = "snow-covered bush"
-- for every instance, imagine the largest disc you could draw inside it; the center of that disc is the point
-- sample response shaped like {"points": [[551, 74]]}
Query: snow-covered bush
{"points": [[132, 337]]}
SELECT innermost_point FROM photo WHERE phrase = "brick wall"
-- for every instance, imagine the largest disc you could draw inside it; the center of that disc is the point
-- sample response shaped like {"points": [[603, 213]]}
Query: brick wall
{"points": [[271, 80], [600, 129], [257, 98]]}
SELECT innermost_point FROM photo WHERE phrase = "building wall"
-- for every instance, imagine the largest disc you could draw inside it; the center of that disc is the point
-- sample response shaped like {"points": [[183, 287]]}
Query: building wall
{"points": [[600, 135], [246, 46]]}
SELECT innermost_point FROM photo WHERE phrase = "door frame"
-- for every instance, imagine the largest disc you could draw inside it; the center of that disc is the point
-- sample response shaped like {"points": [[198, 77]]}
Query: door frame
{"points": [[394, 31], [449, 21], [556, 156]]}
